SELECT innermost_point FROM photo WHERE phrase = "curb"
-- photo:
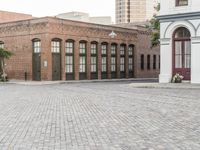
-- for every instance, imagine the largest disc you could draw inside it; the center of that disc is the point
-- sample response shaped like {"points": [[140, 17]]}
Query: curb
{"points": [[146, 80]]}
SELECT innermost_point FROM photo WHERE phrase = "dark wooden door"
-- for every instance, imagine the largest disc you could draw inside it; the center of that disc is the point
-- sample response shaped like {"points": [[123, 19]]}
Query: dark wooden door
{"points": [[56, 66], [36, 67], [182, 58]]}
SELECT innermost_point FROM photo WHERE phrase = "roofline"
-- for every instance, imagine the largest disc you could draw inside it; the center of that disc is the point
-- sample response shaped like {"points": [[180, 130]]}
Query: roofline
{"points": [[14, 12], [68, 20]]}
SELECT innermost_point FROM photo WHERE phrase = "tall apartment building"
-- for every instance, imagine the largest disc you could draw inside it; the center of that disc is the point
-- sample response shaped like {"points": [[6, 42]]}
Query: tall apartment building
{"points": [[127, 11]]}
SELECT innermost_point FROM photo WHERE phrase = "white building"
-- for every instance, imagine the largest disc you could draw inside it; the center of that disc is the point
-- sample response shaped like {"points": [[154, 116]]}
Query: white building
{"points": [[84, 17], [180, 39]]}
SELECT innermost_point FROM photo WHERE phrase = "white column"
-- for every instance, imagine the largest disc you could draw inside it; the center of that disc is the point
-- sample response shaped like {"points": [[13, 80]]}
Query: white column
{"points": [[165, 61], [195, 60]]}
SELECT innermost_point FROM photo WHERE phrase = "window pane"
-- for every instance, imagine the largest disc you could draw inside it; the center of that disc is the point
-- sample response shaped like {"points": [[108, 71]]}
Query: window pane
{"points": [[113, 49], [122, 50], [104, 49], [122, 64], [104, 68], [130, 64], [187, 61], [82, 48], [187, 47], [130, 50], [82, 66], [69, 64], [1, 45], [55, 47], [178, 49], [113, 64], [36, 46], [182, 2], [69, 47], [93, 48], [178, 61], [182, 33]]}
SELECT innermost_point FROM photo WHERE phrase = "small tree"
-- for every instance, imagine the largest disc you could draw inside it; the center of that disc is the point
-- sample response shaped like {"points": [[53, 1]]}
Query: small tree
{"points": [[4, 54], [155, 26]]}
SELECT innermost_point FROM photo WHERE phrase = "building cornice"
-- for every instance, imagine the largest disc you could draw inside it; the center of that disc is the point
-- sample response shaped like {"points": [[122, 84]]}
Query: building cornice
{"points": [[181, 16]]}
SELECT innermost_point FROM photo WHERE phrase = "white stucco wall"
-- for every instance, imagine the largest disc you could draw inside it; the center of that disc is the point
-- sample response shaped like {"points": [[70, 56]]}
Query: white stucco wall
{"points": [[167, 29], [168, 7]]}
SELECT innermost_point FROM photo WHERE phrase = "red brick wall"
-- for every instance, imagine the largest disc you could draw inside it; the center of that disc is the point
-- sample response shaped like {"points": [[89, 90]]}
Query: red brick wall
{"points": [[144, 47], [18, 37], [11, 16]]}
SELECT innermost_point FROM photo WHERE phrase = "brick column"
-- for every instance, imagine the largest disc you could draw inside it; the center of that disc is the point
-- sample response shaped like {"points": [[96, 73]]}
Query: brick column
{"points": [[137, 61], [118, 61], [109, 61], [76, 60], [88, 60], [126, 60], [99, 60], [46, 71], [47, 48], [62, 53]]}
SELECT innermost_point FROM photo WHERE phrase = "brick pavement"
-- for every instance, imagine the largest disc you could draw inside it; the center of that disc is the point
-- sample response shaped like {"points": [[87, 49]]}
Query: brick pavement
{"points": [[98, 116]]}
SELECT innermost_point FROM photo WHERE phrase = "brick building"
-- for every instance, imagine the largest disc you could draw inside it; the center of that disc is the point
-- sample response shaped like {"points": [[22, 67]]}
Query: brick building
{"points": [[56, 49], [12, 16]]}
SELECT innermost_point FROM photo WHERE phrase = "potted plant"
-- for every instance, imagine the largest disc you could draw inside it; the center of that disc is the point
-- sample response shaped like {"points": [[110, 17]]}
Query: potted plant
{"points": [[177, 78]]}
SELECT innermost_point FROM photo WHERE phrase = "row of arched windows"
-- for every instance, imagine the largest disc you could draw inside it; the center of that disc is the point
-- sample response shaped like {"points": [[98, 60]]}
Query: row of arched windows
{"points": [[94, 48]]}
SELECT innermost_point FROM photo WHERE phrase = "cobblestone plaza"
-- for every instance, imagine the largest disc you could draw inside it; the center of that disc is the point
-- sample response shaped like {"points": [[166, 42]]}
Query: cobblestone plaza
{"points": [[98, 116]]}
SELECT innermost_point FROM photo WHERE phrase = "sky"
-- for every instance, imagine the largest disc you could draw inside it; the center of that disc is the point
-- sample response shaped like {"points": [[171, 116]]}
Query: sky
{"points": [[41, 8]]}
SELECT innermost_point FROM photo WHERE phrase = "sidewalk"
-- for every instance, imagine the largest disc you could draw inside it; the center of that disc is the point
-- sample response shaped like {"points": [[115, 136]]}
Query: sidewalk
{"points": [[183, 85], [140, 80]]}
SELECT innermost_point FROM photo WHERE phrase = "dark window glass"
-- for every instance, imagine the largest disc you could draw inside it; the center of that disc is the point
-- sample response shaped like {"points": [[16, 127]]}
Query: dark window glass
{"points": [[154, 61], [148, 62], [142, 62]]}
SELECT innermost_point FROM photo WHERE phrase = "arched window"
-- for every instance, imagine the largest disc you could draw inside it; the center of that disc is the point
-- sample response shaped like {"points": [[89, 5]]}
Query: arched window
{"points": [[36, 59], [56, 58], [182, 33], [55, 45], [36, 45], [122, 60], [69, 59], [182, 52], [113, 60], [94, 59], [82, 60], [104, 60]]}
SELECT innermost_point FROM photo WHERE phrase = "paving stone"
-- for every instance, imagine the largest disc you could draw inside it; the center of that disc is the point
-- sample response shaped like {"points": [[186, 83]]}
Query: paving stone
{"points": [[98, 116]]}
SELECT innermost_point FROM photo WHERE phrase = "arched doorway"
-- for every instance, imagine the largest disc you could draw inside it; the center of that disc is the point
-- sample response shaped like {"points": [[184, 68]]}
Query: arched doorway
{"points": [[56, 59], [182, 52]]}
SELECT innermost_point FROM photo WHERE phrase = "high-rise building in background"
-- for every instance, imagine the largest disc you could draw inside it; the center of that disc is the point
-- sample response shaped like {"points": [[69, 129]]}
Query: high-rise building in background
{"points": [[85, 17], [128, 11]]}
